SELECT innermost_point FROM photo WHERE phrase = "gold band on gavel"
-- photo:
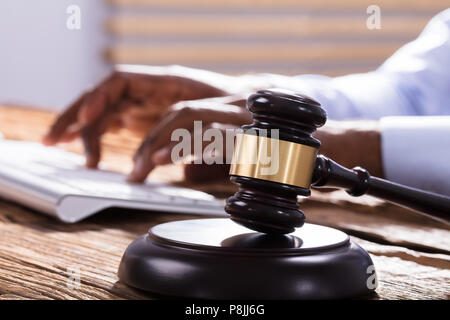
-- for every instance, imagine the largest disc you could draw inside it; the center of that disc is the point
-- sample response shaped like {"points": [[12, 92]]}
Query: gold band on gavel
{"points": [[273, 160]]}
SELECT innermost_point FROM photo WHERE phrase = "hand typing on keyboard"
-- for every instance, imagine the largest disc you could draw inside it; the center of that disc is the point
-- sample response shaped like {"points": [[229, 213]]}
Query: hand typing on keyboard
{"points": [[154, 100]]}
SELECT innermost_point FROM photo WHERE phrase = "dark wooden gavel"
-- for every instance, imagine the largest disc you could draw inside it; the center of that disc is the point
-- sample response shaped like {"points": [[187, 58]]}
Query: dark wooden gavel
{"points": [[267, 202]]}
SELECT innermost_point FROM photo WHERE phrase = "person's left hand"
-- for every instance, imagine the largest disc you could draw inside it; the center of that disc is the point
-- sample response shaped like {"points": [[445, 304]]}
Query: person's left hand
{"points": [[134, 98]]}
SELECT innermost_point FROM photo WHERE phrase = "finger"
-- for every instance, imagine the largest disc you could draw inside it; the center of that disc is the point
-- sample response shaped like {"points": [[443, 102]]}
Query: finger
{"points": [[224, 151], [165, 155], [184, 118], [108, 93], [179, 119], [91, 142], [143, 163], [93, 106], [115, 124], [203, 172], [91, 137], [66, 119], [72, 132], [142, 167], [143, 158]]}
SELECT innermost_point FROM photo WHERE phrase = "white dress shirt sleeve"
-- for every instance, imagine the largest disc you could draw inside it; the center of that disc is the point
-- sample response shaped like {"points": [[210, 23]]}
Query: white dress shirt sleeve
{"points": [[415, 81], [416, 151]]}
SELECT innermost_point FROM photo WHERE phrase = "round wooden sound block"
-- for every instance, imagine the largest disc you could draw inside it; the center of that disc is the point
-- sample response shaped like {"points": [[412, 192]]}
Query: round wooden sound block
{"points": [[218, 259]]}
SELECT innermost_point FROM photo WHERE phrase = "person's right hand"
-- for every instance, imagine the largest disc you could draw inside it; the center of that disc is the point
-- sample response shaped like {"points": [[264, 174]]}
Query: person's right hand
{"points": [[136, 101]]}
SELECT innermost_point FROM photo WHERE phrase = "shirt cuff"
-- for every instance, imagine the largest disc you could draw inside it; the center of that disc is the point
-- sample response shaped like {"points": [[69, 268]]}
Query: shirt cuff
{"points": [[416, 151]]}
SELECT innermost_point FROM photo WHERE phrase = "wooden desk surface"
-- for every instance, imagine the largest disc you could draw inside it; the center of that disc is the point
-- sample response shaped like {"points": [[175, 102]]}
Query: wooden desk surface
{"points": [[39, 255]]}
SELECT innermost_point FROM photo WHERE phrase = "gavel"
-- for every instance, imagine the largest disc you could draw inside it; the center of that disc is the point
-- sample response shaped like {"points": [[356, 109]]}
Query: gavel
{"points": [[219, 259], [267, 202]]}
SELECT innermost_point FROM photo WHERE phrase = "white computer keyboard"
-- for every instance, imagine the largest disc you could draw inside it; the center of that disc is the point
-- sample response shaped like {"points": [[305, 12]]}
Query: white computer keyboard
{"points": [[56, 182]]}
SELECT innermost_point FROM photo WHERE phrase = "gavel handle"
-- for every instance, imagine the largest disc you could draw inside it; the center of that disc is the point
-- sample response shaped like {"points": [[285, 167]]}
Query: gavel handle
{"points": [[357, 181]]}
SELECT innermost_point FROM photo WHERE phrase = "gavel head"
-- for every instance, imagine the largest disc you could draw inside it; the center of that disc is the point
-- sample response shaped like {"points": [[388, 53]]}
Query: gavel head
{"points": [[273, 161]]}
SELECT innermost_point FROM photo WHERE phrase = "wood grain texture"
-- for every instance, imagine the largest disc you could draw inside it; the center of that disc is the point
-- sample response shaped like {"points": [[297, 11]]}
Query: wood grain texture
{"points": [[39, 255]]}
